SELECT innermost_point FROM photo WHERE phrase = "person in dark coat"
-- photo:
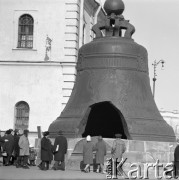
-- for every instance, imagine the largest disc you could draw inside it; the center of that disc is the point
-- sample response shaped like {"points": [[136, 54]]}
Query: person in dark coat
{"points": [[4, 153], [2, 141], [16, 146], [88, 149], [176, 160], [46, 151], [118, 148], [100, 148], [18, 159], [8, 146], [60, 149]]}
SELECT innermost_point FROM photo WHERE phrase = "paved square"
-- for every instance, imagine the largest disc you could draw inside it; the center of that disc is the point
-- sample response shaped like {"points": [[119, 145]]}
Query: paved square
{"points": [[11, 172]]}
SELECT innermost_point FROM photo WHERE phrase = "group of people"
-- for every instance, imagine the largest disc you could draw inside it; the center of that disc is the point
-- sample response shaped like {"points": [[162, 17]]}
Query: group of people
{"points": [[15, 149], [118, 148], [50, 152], [59, 149]]}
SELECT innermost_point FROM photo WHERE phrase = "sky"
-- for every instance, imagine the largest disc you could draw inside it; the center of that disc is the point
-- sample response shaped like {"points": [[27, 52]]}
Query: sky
{"points": [[157, 29]]}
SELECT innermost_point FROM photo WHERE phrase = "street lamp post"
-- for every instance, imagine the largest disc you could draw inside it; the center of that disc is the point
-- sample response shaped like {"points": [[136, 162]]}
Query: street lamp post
{"points": [[155, 74]]}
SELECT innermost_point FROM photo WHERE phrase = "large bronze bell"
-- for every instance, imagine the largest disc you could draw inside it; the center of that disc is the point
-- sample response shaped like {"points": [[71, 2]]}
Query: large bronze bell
{"points": [[112, 93]]}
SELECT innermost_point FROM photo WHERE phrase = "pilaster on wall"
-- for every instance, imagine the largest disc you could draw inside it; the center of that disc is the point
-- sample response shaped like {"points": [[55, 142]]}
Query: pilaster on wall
{"points": [[72, 18], [69, 75], [74, 35], [71, 46]]}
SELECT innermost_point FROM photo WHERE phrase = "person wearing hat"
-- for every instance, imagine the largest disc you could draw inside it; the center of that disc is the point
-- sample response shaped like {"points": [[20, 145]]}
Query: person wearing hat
{"points": [[17, 134], [118, 148], [46, 152], [2, 151], [12, 131], [24, 148], [60, 149], [176, 160], [2, 141], [88, 149], [8, 146], [100, 148]]}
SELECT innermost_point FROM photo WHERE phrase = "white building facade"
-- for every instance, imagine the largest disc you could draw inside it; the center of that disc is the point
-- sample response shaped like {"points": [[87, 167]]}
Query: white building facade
{"points": [[38, 54], [172, 118]]}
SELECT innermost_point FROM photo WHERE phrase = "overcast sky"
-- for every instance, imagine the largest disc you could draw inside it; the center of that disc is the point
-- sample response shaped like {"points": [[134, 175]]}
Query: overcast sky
{"points": [[157, 29]]}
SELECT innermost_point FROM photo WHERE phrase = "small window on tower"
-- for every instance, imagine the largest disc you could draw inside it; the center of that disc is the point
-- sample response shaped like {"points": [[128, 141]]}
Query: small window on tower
{"points": [[25, 31]]}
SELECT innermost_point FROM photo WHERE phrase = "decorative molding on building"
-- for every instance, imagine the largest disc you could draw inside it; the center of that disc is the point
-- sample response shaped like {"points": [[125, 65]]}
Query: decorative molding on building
{"points": [[23, 49], [72, 16], [176, 112], [29, 63], [69, 75], [71, 45]]}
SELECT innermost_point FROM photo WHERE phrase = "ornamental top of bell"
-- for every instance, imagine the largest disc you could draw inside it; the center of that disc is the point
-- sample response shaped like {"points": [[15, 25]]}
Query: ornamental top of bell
{"points": [[114, 6], [114, 22]]}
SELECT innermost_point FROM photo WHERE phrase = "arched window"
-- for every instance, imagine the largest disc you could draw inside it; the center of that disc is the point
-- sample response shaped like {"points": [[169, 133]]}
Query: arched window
{"points": [[25, 32], [21, 115]]}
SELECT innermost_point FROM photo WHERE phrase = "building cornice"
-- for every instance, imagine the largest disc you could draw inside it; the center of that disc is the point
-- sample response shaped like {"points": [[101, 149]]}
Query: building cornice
{"points": [[171, 112], [30, 63]]}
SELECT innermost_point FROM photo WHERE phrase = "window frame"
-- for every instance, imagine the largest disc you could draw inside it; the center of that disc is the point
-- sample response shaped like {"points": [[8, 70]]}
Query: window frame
{"points": [[16, 15], [25, 31], [22, 111]]}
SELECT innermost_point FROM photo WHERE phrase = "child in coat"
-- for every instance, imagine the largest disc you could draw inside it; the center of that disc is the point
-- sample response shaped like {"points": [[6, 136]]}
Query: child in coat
{"points": [[32, 156]]}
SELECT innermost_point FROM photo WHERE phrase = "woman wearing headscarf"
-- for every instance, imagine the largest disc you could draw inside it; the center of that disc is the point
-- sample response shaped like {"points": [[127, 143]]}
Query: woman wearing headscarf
{"points": [[88, 149], [46, 151]]}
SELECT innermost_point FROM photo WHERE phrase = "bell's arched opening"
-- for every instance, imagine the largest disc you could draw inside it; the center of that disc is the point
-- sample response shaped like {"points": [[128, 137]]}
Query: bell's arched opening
{"points": [[106, 120]]}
